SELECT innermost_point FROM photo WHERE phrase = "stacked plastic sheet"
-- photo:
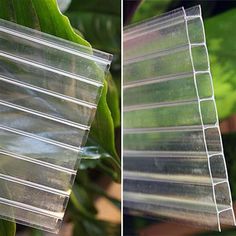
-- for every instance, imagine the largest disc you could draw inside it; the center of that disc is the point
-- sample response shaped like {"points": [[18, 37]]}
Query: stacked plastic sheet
{"points": [[174, 164], [49, 90]]}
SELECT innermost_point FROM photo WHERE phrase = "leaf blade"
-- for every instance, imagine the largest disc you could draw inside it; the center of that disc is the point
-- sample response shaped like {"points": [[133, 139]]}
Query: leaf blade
{"points": [[7, 228]]}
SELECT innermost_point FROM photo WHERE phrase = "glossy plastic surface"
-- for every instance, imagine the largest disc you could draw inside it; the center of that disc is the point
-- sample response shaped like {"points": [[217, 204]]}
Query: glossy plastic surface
{"points": [[174, 164], [49, 91]]}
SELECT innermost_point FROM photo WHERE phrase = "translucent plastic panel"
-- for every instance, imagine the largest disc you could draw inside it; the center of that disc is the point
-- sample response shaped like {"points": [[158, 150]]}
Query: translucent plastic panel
{"points": [[49, 176], [43, 79], [166, 141], [168, 63], [55, 201], [217, 163], [49, 91], [30, 217], [37, 124], [193, 213], [19, 45], [170, 115], [54, 106], [173, 89], [38, 148], [170, 36], [174, 164], [192, 167], [192, 190]]}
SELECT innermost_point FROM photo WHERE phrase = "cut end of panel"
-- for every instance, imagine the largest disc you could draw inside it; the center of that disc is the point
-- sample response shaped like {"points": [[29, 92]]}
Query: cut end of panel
{"points": [[226, 218]]}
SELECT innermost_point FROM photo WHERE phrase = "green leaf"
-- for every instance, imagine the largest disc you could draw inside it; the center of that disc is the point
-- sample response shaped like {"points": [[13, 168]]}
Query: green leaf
{"points": [[91, 187], [7, 228], [95, 157], [99, 22], [36, 232], [102, 132], [101, 6], [101, 30], [83, 202], [221, 40], [98, 228], [104, 127], [82, 210], [149, 9], [113, 101], [42, 15]]}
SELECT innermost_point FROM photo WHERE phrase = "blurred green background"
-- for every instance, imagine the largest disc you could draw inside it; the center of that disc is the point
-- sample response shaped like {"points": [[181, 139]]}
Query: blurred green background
{"points": [[219, 20]]}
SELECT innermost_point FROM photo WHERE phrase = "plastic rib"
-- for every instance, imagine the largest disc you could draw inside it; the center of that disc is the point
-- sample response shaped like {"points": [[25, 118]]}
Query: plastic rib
{"points": [[159, 54], [45, 67], [48, 92], [46, 140], [34, 185], [53, 45], [29, 208], [156, 80], [27, 110], [169, 129], [131, 175], [173, 154], [38, 162], [163, 53], [131, 153], [154, 21], [163, 104]]}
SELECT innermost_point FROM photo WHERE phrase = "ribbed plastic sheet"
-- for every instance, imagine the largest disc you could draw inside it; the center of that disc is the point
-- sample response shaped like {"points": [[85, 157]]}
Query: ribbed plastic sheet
{"points": [[49, 91], [174, 165]]}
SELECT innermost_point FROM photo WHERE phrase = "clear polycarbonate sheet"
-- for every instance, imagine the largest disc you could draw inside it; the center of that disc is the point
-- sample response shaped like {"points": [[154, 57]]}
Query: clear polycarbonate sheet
{"points": [[174, 164], [49, 91]]}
